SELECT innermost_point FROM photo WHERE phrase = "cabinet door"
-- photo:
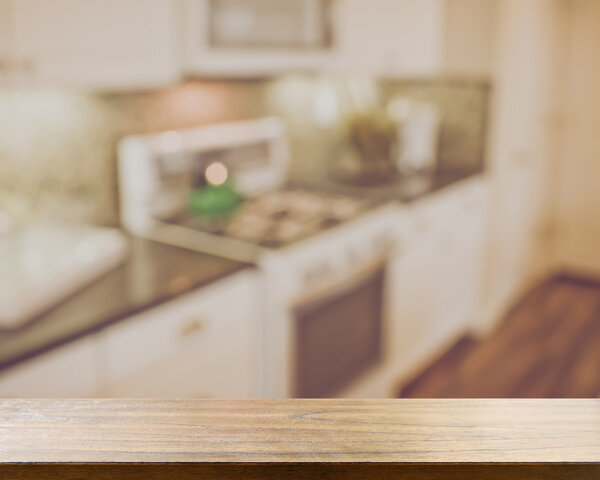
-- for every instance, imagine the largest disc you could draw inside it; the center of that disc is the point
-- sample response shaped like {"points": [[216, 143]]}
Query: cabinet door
{"points": [[513, 234], [470, 27], [6, 40], [415, 282], [69, 371], [203, 344], [437, 280], [97, 43], [389, 37], [461, 250]]}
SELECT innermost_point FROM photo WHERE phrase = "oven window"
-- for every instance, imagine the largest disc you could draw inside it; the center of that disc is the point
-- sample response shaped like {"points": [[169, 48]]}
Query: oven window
{"points": [[339, 337]]}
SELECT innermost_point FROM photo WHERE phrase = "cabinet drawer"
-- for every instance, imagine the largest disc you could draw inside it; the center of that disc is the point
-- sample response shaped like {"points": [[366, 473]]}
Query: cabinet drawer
{"points": [[69, 371], [194, 334], [195, 373], [447, 207]]}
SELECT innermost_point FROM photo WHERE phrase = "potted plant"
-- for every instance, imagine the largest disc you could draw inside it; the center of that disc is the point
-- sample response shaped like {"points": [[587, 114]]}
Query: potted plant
{"points": [[369, 149]]}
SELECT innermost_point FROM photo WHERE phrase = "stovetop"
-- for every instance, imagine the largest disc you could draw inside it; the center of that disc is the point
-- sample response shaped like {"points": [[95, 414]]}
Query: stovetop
{"points": [[279, 218]]}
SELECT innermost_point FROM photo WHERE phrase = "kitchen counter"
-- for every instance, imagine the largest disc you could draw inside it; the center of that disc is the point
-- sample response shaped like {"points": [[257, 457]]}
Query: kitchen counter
{"points": [[407, 188], [152, 274], [301, 439], [411, 188]]}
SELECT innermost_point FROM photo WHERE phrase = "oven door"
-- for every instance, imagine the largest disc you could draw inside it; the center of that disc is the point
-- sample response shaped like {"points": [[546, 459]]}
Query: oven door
{"points": [[338, 332]]}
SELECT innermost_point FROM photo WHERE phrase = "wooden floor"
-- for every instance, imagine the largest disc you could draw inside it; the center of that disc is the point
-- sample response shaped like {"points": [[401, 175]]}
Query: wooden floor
{"points": [[548, 346]]}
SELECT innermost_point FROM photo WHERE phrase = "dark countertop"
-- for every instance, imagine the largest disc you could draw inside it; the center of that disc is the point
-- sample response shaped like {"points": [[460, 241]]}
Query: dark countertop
{"points": [[153, 273], [403, 189]]}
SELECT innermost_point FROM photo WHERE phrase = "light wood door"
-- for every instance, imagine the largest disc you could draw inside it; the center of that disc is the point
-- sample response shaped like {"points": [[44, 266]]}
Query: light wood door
{"points": [[578, 209]]}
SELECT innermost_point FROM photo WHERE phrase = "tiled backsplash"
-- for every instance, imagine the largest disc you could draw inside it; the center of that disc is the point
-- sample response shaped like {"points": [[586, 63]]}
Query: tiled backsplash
{"points": [[58, 147]]}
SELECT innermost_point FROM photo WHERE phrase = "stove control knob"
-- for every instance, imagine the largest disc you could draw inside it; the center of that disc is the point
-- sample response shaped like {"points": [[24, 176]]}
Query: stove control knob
{"points": [[353, 256], [384, 242], [317, 273]]}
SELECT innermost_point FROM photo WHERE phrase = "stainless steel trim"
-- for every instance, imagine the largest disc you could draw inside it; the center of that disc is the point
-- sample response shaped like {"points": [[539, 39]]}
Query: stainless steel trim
{"points": [[203, 242], [345, 282]]}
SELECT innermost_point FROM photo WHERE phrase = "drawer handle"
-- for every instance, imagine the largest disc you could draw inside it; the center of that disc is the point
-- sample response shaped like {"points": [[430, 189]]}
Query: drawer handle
{"points": [[193, 326], [421, 223], [27, 65]]}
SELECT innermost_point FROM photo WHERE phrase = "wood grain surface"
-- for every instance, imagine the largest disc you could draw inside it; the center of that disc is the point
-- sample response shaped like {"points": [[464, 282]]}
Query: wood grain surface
{"points": [[300, 431]]}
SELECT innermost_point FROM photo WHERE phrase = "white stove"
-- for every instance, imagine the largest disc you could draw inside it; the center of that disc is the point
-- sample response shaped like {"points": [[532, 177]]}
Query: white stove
{"points": [[322, 254], [278, 218]]}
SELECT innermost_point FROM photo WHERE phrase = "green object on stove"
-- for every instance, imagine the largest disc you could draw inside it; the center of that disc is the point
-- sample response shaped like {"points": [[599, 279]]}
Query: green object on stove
{"points": [[215, 200]]}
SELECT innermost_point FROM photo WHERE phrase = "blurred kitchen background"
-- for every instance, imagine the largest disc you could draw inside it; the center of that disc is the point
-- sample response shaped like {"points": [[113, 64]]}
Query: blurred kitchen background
{"points": [[299, 198]]}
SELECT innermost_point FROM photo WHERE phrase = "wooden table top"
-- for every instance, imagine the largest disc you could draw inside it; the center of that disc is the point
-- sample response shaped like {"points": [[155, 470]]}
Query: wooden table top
{"points": [[300, 431]]}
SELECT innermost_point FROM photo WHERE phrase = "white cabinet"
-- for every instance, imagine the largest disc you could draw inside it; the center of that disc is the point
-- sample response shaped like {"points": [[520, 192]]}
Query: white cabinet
{"points": [[462, 249], [94, 43], [415, 282], [204, 344], [6, 39], [524, 149], [414, 37], [70, 371], [389, 37], [469, 37], [121, 44], [437, 277]]}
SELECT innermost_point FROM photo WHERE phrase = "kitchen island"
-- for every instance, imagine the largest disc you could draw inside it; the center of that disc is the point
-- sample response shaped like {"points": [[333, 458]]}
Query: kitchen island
{"points": [[300, 439]]}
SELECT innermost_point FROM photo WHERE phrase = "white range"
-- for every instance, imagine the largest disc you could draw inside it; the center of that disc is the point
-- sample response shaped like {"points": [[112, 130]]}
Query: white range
{"points": [[323, 255]]}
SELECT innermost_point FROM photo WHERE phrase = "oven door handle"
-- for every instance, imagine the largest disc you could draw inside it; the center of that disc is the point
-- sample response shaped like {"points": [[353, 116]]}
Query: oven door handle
{"points": [[324, 292]]}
